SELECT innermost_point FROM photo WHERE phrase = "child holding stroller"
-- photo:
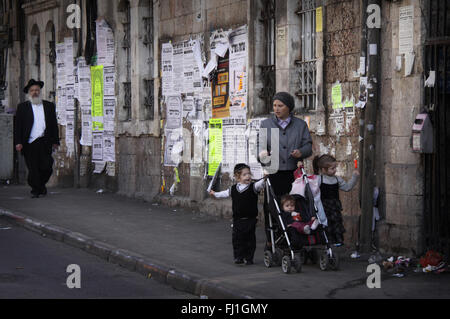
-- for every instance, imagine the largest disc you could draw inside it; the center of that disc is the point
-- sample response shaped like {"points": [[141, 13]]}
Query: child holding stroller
{"points": [[244, 196], [330, 184]]}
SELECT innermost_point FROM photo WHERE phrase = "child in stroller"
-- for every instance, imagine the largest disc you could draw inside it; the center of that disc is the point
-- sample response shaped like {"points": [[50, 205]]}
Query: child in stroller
{"points": [[290, 247], [294, 219]]}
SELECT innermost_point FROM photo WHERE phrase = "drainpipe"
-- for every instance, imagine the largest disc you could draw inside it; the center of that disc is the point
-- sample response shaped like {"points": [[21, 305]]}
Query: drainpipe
{"points": [[368, 176]]}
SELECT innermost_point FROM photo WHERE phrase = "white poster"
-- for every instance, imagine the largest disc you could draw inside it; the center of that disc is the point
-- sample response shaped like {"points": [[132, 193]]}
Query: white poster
{"points": [[188, 67], [234, 145], [174, 147], [105, 43], [167, 68], [109, 146], [253, 135], [173, 112], [86, 125], [68, 60], [84, 81], [97, 146], [178, 68], [108, 81], [406, 30], [109, 106]]}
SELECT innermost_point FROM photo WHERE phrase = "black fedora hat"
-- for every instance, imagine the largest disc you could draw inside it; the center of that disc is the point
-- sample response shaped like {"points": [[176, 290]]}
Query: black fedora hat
{"points": [[31, 83]]}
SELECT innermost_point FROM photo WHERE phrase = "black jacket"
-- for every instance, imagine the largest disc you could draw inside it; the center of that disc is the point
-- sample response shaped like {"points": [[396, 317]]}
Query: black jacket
{"points": [[25, 119]]}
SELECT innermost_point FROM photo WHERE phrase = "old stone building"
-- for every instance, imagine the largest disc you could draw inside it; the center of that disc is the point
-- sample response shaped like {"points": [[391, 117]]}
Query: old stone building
{"points": [[318, 50]]}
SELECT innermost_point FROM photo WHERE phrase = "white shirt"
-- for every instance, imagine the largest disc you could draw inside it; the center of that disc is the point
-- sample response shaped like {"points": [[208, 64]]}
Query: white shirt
{"points": [[38, 128], [241, 187]]}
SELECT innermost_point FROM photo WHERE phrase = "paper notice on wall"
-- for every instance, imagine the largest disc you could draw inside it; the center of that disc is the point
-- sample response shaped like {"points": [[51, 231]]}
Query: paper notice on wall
{"points": [[207, 102], [97, 97], [174, 147], [234, 145], [109, 107], [238, 72], [189, 110], [337, 118], [406, 29], [178, 68], [198, 65], [173, 112], [253, 133], [86, 125], [68, 60], [220, 90], [319, 18], [109, 146], [97, 146], [109, 81], [167, 68], [61, 105], [198, 130], [214, 145], [105, 43], [188, 67], [60, 65], [84, 81], [70, 131], [336, 96]]}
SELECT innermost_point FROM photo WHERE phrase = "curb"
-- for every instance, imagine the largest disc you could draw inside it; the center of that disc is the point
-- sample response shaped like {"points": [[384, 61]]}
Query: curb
{"points": [[177, 279]]}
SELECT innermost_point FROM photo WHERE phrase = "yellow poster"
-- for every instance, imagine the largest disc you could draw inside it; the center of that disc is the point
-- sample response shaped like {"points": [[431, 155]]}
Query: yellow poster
{"points": [[215, 145], [97, 97], [336, 96], [220, 90], [319, 15]]}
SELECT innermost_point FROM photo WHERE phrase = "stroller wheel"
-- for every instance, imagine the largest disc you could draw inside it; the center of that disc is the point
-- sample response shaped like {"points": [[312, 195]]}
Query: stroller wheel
{"points": [[268, 259], [298, 262], [333, 262], [286, 264], [324, 261]]}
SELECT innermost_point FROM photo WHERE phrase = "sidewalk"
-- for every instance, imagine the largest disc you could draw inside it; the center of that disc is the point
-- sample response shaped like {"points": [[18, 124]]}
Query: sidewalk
{"points": [[192, 252]]}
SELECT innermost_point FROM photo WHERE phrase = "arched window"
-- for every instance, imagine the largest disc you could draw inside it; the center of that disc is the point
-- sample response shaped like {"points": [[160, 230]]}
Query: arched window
{"points": [[35, 53], [50, 61]]}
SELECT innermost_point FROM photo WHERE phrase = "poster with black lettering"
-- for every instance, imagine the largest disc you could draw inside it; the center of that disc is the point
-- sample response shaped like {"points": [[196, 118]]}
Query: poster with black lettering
{"points": [[220, 89]]}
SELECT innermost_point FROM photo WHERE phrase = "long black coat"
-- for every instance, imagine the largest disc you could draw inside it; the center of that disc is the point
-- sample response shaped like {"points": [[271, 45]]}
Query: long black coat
{"points": [[25, 119]]}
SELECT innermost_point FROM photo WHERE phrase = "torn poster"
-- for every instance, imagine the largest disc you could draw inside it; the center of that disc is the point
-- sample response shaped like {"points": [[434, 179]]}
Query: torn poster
{"points": [[173, 112], [406, 29], [174, 147], [109, 146], [188, 67], [105, 43], [220, 90]]}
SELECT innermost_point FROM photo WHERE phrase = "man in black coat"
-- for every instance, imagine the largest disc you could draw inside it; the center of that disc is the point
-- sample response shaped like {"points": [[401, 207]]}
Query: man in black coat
{"points": [[36, 135]]}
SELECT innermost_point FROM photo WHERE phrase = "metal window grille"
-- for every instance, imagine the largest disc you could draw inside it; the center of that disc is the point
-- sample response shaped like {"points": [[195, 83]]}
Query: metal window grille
{"points": [[126, 45], [268, 69], [437, 172], [306, 64], [149, 83]]}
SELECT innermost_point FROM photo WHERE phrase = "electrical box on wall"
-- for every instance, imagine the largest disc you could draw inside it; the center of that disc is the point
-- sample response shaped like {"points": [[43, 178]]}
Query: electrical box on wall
{"points": [[422, 134]]}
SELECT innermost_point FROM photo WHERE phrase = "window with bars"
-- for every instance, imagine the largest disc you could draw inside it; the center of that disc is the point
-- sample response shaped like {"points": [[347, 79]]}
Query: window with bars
{"points": [[306, 64], [126, 45]]}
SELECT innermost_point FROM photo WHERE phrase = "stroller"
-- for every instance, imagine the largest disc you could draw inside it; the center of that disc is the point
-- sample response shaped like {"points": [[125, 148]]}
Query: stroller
{"points": [[289, 248]]}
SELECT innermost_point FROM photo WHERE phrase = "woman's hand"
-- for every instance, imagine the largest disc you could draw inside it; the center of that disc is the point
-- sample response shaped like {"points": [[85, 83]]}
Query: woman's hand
{"points": [[211, 192], [296, 154]]}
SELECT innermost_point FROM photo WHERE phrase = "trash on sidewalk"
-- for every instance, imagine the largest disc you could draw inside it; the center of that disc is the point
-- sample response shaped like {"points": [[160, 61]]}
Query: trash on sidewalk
{"points": [[399, 275], [431, 258], [5, 228], [100, 191], [355, 255], [376, 258]]}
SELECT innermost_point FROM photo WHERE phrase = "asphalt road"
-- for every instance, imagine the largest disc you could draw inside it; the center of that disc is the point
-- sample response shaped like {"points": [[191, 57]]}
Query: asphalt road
{"points": [[32, 267]]}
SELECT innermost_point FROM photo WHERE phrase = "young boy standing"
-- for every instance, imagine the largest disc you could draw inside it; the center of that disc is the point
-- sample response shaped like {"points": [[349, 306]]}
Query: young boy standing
{"points": [[244, 196]]}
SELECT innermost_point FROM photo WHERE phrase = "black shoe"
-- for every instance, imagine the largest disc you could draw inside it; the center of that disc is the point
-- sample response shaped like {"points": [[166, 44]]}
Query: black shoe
{"points": [[34, 195], [44, 192], [239, 261], [248, 262]]}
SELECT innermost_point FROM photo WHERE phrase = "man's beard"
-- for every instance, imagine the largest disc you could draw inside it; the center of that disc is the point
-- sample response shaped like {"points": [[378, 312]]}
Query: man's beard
{"points": [[35, 100]]}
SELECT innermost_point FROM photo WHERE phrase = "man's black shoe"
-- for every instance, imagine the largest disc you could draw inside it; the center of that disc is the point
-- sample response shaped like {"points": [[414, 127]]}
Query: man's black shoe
{"points": [[238, 261], [34, 195]]}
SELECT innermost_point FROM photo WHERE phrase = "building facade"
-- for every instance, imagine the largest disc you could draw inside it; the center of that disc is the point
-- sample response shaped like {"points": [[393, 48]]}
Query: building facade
{"points": [[318, 50]]}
